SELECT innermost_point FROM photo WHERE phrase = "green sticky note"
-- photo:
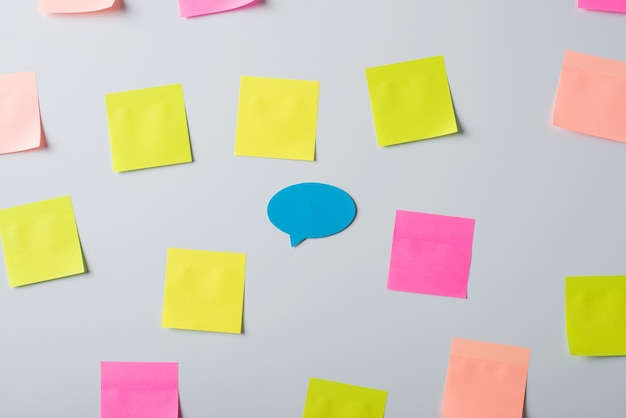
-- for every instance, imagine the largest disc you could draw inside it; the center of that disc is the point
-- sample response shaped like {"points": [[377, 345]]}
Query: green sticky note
{"points": [[411, 101], [595, 311], [40, 241], [204, 290], [326, 399], [148, 128], [277, 118]]}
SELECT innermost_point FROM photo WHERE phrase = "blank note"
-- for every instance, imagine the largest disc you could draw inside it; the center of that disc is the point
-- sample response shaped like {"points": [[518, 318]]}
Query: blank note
{"points": [[327, 399], [74, 6], [20, 122]]}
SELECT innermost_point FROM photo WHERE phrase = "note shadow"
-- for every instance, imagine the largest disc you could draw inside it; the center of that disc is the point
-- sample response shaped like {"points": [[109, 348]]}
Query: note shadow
{"points": [[180, 411], [459, 126]]}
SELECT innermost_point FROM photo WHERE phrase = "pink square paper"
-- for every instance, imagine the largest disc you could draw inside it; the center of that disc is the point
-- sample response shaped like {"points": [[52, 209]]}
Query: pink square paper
{"points": [[605, 5], [431, 254]]}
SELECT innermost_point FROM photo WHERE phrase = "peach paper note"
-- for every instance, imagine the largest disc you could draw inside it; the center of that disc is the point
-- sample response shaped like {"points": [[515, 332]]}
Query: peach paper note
{"points": [[20, 123], [591, 96], [485, 380], [74, 6], [604, 5], [191, 8]]}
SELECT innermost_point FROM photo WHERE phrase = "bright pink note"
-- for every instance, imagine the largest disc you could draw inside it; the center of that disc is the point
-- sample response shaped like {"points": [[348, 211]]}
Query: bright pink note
{"points": [[131, 390], [431, 254], [606, 5], [191, 8]]}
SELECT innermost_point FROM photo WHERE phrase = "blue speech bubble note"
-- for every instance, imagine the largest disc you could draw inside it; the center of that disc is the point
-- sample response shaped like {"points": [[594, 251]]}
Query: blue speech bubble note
{"points": [[311, 210]]}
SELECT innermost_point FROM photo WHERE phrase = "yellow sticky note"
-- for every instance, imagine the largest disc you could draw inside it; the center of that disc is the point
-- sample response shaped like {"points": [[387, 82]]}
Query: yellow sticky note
{"points": [[595, 312], [277, 118], [326, 399], [148, 128], [411, 101], [40, 241], [204, 290]]}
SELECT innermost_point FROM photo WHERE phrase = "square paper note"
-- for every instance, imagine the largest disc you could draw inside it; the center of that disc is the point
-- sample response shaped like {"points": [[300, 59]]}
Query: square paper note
{"points": [[431, 254], [595, 312], [190, 8], [74, 6], [326, 399], [132, 390], [605, 5], [591, 96], [204, 290], [20, 123], [40, 241], [485, 380], [411, 101], [277, 118], [148, 128]]}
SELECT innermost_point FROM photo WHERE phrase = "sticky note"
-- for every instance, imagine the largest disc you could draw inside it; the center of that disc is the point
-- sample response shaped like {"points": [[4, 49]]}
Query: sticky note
{"points": [[204, 290], [411, 101], [20, 121], [132, 390], [591, 96], [40, 241], [485, 380], [595, 314], [191, 8], [431, 254], [148, 128], [326, 399], [74, 6], [277, 118], [604, 5]]}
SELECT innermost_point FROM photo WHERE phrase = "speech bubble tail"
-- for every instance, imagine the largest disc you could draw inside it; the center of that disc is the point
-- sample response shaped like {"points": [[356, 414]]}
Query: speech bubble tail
{"points": [[295, 240]]}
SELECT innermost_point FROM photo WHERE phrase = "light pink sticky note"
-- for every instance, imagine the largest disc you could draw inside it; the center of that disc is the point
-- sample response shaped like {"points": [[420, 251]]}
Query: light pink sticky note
{"points": [[131, 390], [431, 254], [191, 8], [20, 122], [605, 5], [74, 6]]}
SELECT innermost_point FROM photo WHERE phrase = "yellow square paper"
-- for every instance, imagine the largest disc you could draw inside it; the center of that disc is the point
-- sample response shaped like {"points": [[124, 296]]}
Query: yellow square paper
{"points": [[326, 399], [148, 128], [40, 241], [411, 101], [204, 290], [277, 118]]}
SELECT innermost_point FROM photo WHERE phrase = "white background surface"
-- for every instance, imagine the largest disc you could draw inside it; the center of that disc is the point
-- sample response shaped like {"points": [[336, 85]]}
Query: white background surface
{"points": [[547, 203]]}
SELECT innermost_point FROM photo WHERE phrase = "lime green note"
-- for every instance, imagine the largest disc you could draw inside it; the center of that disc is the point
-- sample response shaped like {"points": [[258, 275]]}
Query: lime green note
{"points": [[326, 399], [277, 118], [595, 309], [204, 290], [148, 128], [411, 101], [40, 242]]}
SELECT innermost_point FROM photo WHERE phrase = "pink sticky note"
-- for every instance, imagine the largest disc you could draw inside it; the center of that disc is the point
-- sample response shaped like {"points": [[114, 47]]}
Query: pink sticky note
{"points": [[75, 6], [431, 254], [20, 122], [591, 97], [191, 8], [131, 390], [606, 5]]}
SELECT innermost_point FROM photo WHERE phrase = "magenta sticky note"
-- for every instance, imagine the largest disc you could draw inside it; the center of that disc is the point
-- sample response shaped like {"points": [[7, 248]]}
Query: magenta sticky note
{"points": [[431, 254], [605, 5], [131, 390], [191, 8]]}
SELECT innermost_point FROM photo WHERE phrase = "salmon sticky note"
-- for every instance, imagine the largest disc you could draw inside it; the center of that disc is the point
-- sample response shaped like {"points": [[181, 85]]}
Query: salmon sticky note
{"points": [[74, 6], [326, 399], [204, 290], [148, 128], [191, 8], [131, 390], [591, 96], [604, 5], [595, 313], [485, 380], [20, 122], [411, 101], [277, 118], [431, 254], [40, 241]]}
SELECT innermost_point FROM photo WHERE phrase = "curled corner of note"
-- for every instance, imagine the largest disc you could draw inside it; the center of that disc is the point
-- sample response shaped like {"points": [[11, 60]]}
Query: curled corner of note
{"points": [[192, 8], [77, 6]]}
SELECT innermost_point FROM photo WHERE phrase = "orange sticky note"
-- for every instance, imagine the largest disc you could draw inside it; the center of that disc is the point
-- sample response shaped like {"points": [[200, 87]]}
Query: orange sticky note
{"points": [[485, 380], [75, 6], [591, 96], [20, 123]]}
